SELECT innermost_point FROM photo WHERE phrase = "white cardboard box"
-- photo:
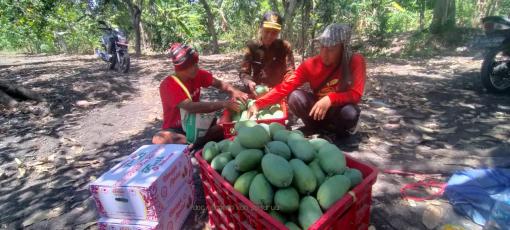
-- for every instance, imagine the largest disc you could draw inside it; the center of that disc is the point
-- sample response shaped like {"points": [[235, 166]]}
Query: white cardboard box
{"points": [[142, 186], [172, 219]]}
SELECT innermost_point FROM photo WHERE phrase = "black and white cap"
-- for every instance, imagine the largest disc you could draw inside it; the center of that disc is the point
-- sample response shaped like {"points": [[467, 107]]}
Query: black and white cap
{"points": [[335, 34]]}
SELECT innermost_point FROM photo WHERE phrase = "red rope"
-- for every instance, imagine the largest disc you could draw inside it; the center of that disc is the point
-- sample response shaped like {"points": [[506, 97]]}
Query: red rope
{"points": [[427, 183], [421, 184]]}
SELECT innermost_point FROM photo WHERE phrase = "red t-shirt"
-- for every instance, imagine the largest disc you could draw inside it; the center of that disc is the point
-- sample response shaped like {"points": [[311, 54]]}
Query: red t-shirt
{"points": [[172, 94], [315, 72]]}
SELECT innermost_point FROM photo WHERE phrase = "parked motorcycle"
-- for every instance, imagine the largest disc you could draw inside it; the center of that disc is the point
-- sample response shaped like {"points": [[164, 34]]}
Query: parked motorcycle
{"points": [[495, 73], [115, 45]]}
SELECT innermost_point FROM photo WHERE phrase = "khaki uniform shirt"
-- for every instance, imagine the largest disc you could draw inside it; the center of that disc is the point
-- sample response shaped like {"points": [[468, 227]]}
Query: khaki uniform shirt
{"points": [[267, 66]]}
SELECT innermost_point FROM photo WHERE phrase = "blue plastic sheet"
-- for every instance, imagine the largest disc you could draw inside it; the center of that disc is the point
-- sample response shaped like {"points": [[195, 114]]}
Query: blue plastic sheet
{"points": [[473, 193]]}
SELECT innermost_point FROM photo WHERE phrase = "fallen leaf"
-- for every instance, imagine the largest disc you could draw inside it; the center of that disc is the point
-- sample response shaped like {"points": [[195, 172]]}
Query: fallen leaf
{"points": [[471, 106], [412, 203], [83, 103], [431, 125], [18, 161], [129, 132], [394, 120], [391, 126], [67, 141], [35, 217], [434, 202], [503, 107], [58, 211], [51, 158], [2, 174], [472, 130], [432, 216], [425, 129], [77, 149], [428, 138], [37, 163], [22, 172], [370, 131], [452, 227], [448, 131], [42, 168]]}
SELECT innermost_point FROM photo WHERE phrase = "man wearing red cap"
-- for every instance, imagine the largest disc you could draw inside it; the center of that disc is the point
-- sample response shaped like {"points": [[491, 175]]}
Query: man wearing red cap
{"points": [[267, 60], [337, 78], [181, 91]]}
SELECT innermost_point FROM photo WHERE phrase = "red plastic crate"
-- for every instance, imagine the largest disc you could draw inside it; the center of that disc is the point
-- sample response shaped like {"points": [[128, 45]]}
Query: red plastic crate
{"points": [[228, 126], [229, 209]]}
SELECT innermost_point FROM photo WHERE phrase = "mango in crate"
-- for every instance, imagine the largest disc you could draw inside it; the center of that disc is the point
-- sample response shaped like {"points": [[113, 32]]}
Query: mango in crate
{"points": [[236, 116], [309, 211], [242, 105], [278, 114], [261, 90], [250, 103], [263, 114], [244, 116], [277, 168], [275, 108]]}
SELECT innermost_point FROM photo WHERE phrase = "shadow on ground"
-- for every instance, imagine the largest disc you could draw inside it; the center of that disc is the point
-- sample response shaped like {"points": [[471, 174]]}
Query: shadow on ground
{"points": [[428, 117]]}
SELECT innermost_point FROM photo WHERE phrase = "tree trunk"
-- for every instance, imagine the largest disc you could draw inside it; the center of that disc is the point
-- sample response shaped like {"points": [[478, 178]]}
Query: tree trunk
{"points": [[210, 26], [274, 6], [10, 94], [481, 9], [136, 24], [310, 51], [444, 16], [7, 100], [146, 42], [224, 22], [493, 5], [307, 5], [136, 14], [422, 14], [289, 8]]}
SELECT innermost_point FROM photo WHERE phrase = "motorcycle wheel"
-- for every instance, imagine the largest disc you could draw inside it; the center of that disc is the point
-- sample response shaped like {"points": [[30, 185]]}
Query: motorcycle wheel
{"points": [[113, 62], [495, 83], [124, 64]]}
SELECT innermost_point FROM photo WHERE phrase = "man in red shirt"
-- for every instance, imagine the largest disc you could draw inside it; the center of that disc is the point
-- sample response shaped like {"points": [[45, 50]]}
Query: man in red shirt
{"points": [[182, 91], [337, 78]]}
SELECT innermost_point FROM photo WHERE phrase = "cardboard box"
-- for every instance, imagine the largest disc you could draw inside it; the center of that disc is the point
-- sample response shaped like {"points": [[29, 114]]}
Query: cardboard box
{"points": [[142, 186], [172, 218]]}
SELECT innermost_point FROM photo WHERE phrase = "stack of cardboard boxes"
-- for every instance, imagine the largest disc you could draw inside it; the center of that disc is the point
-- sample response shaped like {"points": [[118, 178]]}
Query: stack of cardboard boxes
{"points": [[151, 189]]}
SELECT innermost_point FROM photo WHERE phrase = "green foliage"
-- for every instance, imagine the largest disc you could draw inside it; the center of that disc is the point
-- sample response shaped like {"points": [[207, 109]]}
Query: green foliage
{"points": [[50, 26], [174, 21], [46, 26]]}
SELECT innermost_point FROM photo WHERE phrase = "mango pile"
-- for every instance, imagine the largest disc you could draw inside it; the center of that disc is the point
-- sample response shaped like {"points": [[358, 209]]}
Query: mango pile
{"points": [[272, 112], [293, 178]]}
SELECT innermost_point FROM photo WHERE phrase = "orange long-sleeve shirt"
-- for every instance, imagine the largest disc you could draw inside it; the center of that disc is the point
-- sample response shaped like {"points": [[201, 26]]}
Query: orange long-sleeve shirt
{"points": [[314, 71]]}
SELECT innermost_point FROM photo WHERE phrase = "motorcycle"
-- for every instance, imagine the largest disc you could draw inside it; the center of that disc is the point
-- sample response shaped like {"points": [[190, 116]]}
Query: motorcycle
{"points": [[115, 44], [495, 72]]}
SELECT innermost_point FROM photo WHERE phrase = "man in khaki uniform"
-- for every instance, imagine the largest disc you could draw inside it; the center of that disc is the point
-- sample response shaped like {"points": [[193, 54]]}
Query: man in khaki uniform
{"points": [[267, 60]]}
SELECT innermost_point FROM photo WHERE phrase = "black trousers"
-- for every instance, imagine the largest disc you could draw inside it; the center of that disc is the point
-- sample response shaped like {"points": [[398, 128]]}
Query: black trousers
{"points": [[339, 119]]}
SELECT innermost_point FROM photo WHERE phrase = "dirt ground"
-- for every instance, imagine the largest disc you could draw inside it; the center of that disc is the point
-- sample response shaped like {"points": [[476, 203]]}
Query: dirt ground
{"points": [[429, 116]]}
